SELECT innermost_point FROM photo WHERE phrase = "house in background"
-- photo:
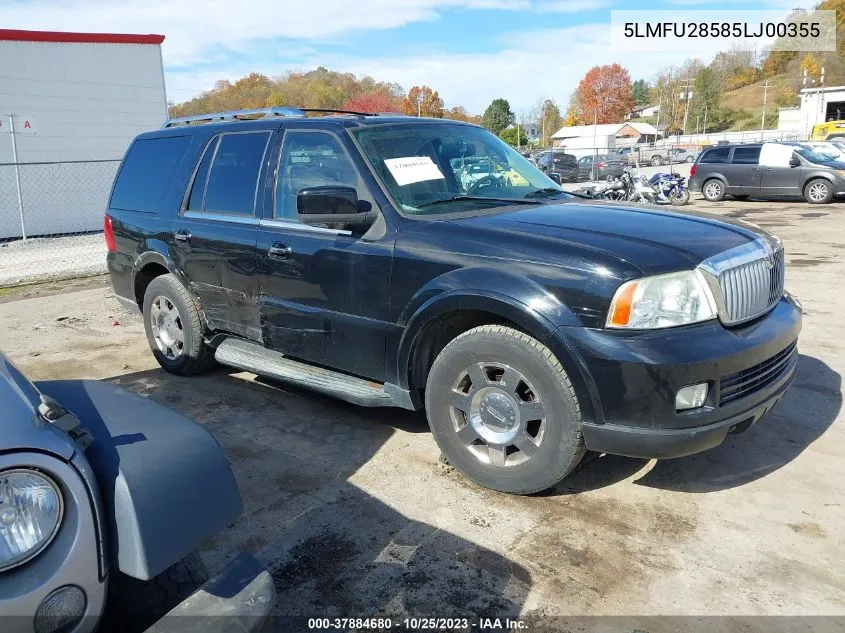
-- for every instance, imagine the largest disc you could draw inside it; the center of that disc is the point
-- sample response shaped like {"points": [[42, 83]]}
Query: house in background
{"points": [[642, 112], [584, 139]]}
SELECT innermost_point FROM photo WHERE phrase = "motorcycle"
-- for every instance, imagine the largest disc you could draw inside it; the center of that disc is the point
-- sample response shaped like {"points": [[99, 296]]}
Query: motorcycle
{"points": [[670, 188]]}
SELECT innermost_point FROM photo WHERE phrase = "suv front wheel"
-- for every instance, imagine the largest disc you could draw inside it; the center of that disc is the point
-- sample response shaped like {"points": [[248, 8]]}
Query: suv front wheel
{"points": [[174, 328], [503, 411]]}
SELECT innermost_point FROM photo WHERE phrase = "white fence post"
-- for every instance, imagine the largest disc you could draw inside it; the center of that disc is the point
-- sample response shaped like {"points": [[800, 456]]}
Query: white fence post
{"points": [[17, 171]]}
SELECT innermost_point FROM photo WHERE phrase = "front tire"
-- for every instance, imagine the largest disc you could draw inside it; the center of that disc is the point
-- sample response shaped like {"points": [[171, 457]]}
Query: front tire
{"points": [[503, 410], [713, 190], [679, 197], [818, 191], [656, 161], [174, 328]]}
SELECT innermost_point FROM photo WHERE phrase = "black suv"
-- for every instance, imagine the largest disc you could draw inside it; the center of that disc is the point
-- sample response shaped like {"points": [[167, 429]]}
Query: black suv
{"points": [[344, 253], [561, 166]]}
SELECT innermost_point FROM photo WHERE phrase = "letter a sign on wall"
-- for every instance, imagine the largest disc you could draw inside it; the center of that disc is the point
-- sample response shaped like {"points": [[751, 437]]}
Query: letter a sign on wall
{"points": [[23, 124]]}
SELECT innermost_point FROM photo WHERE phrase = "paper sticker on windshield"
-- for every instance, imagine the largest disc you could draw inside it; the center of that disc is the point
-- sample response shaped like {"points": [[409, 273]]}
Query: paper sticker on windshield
{"points": [[413, 169]]}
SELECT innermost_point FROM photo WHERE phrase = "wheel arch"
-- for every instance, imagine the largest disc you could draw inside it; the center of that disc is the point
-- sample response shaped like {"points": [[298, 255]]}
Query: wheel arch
{"points": [[149, 265], [448, 314]]}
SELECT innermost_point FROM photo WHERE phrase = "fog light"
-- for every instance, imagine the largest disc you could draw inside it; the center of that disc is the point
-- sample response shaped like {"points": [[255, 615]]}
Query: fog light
{"points": [[61, 611], [691, 397]]}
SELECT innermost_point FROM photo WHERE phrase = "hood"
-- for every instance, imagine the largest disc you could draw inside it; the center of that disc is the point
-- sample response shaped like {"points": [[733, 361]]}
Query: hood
{"points": [[651, 239], [21, 426]]}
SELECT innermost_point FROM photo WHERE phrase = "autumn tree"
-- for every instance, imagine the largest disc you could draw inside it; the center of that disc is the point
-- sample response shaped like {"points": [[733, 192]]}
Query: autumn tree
{"points": [[374, 102], [605, 94], [498, 116], [423, 101]]}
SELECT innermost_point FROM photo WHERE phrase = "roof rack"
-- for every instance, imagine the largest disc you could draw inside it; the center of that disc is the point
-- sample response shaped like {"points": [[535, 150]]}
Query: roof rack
{"points": [[235, 115]]}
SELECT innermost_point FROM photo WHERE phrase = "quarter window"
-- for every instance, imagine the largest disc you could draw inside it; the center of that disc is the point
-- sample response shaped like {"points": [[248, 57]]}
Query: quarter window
{"points": [[144, 178], [233, 177], [718, 155], [746, 156], [201, 177]]}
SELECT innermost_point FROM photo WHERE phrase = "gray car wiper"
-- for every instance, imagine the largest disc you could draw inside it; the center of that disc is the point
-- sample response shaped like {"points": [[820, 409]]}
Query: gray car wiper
{"points": [[544, 192], [477, 198]]}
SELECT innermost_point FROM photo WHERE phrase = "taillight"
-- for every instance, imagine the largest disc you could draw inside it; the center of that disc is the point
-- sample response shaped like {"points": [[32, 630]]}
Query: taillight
{"points": [[692, 171], [602, 165], [109, 234]]}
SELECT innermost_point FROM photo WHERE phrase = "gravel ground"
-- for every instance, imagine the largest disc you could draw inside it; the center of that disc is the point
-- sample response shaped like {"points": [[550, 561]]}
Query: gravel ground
{"points": [[353, 514], [51, 258]]}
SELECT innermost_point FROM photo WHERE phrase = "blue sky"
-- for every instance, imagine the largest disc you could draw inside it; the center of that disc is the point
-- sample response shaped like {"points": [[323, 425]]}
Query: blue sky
{"points": [[471, 51]]}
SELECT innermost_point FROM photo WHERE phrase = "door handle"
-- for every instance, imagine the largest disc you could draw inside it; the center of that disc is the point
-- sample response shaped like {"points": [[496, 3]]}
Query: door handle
{"points": [[278, 251], [770, 168], [182, 236]]}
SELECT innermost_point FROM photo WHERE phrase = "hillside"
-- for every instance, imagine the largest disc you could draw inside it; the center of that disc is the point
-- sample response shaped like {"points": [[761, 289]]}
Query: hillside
{"points": [[747, 102]]}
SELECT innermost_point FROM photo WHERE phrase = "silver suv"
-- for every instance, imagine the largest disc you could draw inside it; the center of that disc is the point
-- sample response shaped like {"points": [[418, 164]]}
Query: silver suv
{"points": [[740, 171]]}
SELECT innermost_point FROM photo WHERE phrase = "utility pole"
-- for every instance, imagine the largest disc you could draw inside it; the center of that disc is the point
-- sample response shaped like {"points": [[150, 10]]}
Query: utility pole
{"points": [[17, 172], [763, 121], [687, 97]]}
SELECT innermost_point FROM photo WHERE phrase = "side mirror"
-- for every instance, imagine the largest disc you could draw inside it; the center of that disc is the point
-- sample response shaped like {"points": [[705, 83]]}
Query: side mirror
{"points": [[555, 177], [794, 162], [333, 205]]}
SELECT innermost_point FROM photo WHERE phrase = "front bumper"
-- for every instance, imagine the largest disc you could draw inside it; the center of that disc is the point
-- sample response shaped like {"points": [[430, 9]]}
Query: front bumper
{"points": [[240, 598], [633, 378]]}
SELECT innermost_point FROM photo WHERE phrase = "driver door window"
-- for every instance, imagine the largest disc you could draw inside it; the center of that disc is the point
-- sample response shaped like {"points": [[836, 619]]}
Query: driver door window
{"points": [[312, 159]]}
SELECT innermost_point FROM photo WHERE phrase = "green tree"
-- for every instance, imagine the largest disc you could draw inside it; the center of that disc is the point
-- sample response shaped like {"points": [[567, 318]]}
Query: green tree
{"points": [[498, 116], [641, 93], [509, 136], [550, 121]]}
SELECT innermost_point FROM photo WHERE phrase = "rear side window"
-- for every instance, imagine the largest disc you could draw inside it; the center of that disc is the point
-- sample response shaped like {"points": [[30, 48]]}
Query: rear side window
{"points": [[233, 177], [201, 178], [746, 156], [146, 174], [717, 155]]}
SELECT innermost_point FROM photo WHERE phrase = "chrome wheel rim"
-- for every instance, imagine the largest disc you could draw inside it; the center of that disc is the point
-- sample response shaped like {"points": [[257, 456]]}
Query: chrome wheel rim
{"points": [[712, 190], [817, 191], [166, 326], [497, 414]]}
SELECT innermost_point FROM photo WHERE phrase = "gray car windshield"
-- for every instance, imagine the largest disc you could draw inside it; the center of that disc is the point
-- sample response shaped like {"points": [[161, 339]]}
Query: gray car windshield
{"points": [[814, 157], [438, 168]]}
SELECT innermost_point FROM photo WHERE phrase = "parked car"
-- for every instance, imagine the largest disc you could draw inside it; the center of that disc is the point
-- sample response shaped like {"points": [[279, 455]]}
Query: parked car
{"points": [[736, 170], [643, 155], [681, 155], [560, 163], [826, 148], [606, 166], [104, 497], [531, 325]]}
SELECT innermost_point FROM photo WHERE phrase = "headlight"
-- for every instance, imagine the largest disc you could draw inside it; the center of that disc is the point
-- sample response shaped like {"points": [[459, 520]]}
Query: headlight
{"points": [[30, 513], [662, 301]]}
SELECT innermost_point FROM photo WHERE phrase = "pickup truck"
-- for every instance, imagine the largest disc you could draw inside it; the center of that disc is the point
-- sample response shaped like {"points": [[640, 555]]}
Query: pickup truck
{"points": [[636, 154], [344, 254]]}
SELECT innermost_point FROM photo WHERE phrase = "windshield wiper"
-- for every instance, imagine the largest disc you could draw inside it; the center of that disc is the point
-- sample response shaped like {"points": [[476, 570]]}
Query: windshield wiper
{"points": [[541, 193], [476, 198]]}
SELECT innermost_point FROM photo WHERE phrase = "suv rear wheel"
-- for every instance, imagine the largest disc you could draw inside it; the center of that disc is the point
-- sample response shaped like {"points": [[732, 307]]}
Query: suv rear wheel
{"points": [[503, 411], [174, 328], [818, 191], [713, 190]]}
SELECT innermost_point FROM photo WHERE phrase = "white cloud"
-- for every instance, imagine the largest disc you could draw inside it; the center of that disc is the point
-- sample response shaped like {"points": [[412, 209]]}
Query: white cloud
{"points": [[575, 6], [195, 27]]}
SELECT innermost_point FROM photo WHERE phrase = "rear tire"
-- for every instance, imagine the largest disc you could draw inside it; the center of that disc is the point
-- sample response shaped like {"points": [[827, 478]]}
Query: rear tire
{"points": [[174, 328], [713, 190], [690, 159], [818, 191], [503, 410], [134, 605], [656, 161]]}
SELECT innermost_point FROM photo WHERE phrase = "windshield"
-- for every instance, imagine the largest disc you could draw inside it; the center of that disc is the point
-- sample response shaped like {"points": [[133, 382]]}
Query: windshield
{"points": [[435, 168], [813, 157]]}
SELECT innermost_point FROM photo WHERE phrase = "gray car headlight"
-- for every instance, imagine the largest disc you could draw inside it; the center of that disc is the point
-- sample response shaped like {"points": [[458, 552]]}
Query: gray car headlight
{"points": [[30, 514], [662, 301]]}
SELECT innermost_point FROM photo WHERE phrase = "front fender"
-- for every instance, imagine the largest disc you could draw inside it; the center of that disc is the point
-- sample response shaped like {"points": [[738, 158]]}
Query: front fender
{"points": [[512, 297], [165, 483]]}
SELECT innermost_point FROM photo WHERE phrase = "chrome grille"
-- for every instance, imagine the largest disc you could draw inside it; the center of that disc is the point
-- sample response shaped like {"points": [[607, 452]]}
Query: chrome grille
{"points": [[751, 288]]}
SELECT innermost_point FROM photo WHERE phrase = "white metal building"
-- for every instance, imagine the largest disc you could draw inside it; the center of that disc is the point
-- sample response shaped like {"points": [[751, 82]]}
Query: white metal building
{"points": [[819, 105], [75, 101], [603, 137]]}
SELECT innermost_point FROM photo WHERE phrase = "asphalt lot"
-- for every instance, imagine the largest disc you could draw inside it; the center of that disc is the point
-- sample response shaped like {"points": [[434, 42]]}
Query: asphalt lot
{"points": [[354, 514]]}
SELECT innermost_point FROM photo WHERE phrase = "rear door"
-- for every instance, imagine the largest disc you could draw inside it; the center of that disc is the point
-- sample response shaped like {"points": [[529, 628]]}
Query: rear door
{"points": [[213, 238], [744, 173]]}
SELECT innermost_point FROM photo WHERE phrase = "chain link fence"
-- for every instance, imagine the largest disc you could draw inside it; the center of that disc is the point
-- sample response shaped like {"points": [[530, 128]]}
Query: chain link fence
{"points": [[51, 219]]}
